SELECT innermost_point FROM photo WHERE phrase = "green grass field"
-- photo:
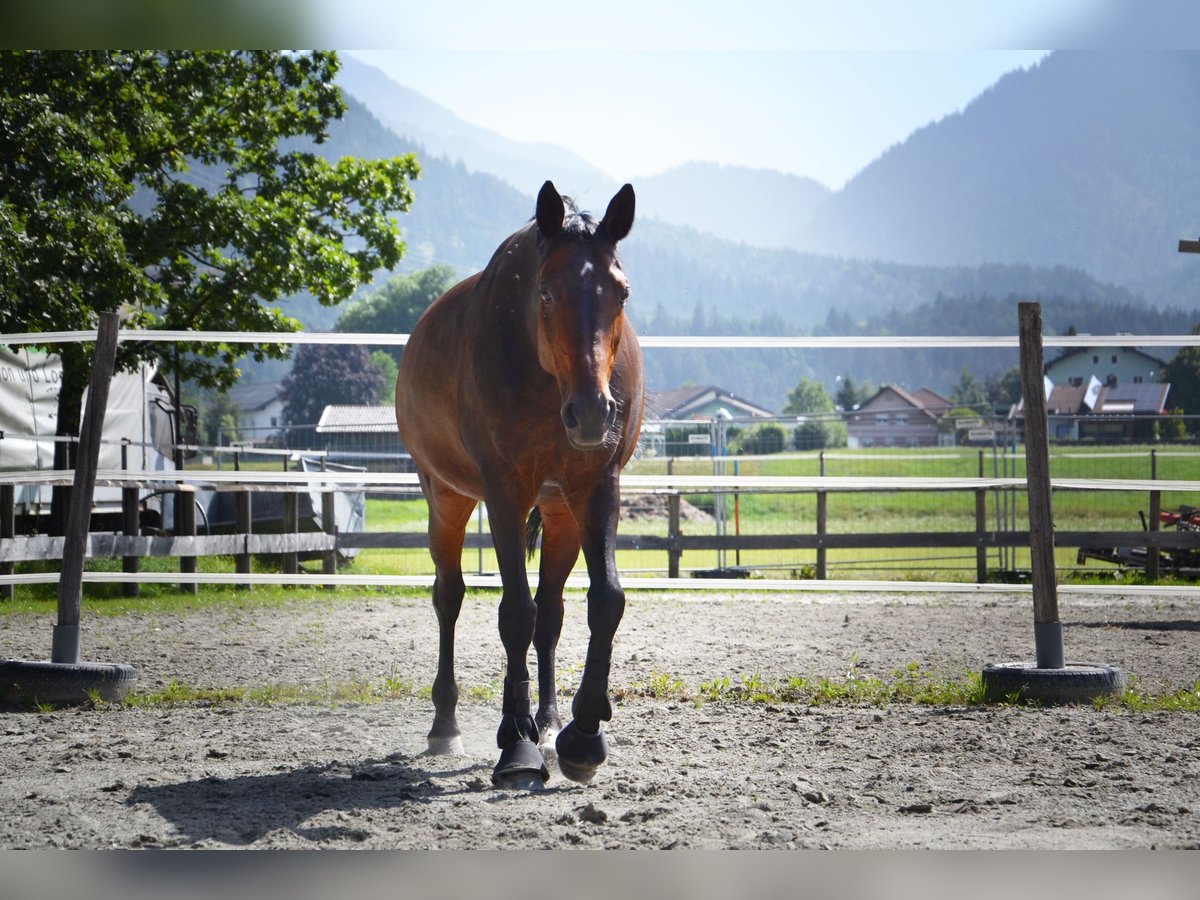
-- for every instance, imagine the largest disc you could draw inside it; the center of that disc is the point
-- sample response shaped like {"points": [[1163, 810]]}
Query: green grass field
{"points": [[892, 511]]}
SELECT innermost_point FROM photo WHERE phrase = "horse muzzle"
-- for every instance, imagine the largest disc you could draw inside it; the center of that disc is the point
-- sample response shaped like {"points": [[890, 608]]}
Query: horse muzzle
{"points": [[589, 419]]}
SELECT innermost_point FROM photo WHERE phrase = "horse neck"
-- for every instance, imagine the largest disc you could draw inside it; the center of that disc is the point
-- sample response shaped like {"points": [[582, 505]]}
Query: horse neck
{"points": [[509, 289]]}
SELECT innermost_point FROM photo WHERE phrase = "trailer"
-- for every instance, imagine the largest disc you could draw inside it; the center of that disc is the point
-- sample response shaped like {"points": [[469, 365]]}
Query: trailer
{"points": [[140, 413]]}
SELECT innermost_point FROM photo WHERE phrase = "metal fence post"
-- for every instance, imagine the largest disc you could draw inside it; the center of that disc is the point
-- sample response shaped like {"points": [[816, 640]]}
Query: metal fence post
{"points": [[1152, 571], [980, 529], [822, 515]]}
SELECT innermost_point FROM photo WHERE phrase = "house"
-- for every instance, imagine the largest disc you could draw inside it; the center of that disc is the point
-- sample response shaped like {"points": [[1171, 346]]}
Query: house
{"points": [[895, 417], [706, 402], [1111, 365], [260, 409], [1101, 412], [366, 435]]}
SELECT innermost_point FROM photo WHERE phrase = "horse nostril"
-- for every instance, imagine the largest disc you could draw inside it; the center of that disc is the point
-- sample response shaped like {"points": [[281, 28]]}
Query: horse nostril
{"points": [[568, 416]]}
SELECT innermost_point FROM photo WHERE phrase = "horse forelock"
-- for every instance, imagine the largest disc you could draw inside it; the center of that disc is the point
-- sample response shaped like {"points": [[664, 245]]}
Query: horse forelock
{"points": [[577, 223]]}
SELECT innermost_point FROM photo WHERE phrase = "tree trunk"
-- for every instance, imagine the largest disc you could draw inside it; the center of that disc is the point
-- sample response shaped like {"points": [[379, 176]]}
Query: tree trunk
{"points": [[76, 370]]}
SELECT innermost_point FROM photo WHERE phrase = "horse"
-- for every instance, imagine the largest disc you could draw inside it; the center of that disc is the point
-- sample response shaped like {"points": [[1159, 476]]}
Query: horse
{"points": [[523, 387]]}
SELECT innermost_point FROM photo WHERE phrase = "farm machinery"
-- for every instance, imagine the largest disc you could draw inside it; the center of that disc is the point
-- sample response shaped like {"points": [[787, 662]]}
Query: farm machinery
{"points": [[1181, 562]]}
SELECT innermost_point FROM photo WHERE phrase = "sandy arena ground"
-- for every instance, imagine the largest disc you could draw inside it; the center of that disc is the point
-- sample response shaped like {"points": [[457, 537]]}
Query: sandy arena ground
{"points": [[681, 774]]}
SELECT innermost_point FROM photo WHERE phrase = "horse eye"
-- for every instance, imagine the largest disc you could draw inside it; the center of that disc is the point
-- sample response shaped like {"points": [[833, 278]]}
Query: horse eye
{"points": [[546, 297]]}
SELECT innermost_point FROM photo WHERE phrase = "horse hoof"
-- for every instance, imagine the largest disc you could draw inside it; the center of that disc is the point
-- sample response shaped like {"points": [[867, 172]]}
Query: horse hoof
{"points": [[446, 746], [521, 767], [580, 754]]}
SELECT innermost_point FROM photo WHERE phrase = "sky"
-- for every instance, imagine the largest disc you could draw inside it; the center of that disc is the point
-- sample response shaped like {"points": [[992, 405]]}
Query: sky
{"points": [[818, 89]]}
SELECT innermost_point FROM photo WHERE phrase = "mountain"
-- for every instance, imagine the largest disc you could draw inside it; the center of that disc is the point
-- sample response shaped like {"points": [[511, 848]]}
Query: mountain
{"points": [[753, 206], [1087, 159], [413, 116]]}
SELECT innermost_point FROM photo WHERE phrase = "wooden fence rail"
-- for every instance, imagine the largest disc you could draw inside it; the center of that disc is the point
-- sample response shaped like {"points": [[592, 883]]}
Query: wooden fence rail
{"points": [[131, 547]]}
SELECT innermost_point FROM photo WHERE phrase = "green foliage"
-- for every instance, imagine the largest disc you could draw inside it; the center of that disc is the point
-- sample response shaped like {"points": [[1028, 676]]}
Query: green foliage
{"points": [[395, 307], [328, 374], [851, 395], [162, 184], [388, 370], [1004, 387], [809, 396], [820, 433], [1183, 374], [218, 418], [968, 391], [761, 439]]}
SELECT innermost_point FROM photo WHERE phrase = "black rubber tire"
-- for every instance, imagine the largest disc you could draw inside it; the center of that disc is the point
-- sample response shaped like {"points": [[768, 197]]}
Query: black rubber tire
{"points": [[1074, 683], [63, 684]]}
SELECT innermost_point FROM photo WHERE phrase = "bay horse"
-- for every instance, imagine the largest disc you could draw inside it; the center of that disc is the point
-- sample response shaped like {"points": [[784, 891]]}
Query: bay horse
{"points": [[523, 386]]}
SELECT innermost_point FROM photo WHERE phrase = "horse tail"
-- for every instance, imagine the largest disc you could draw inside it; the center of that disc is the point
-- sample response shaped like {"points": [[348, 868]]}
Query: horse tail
{"points": [[533, 527]]}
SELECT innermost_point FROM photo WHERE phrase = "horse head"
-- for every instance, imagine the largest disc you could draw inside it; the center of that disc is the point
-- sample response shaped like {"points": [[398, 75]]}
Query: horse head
{"points": [[580, 300]]}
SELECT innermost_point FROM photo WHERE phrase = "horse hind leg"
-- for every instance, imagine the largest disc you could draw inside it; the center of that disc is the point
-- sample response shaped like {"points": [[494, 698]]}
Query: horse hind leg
{"points": [[449, 514]]}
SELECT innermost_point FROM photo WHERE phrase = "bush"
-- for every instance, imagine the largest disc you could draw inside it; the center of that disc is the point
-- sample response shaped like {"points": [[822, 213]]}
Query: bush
{"points": [[819, 434], [763, 439]]}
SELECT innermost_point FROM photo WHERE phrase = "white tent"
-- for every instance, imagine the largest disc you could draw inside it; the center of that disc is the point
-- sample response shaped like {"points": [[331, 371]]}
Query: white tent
{"points": [[138, 410]]}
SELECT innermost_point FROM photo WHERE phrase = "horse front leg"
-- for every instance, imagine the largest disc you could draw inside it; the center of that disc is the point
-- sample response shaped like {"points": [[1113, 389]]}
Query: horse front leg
{"points": [[581, 746], [560, 550], [521, 764]]}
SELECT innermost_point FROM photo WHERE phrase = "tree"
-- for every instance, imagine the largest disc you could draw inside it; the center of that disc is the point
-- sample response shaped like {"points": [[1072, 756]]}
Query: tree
{"points": [[809, 396], [850, 395], [388, 371], [1004, 387], [395, 307], [969, 392], [156, 184], [1183, 374], [328, 374]]}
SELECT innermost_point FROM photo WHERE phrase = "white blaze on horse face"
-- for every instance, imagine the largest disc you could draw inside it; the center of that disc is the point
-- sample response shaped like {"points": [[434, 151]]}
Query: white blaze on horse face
{"points": [[587, 269]]}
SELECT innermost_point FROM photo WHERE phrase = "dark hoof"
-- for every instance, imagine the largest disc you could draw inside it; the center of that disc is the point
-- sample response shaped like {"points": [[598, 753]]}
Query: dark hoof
{"points": [[521, 767], [580, 754]]}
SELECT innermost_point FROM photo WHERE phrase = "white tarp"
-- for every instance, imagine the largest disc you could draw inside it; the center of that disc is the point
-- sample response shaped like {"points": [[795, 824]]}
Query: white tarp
{"points": [[29, 383]]}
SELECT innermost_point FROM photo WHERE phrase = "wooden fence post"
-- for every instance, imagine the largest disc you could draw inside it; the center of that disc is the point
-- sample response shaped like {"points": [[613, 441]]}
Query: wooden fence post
{"points": [[1047, 628], [129, 526], [291, 525], [186, 517], [242, 523], [8, 520], [674, 554], [66, 638], [329, 521], [1155, 513]]}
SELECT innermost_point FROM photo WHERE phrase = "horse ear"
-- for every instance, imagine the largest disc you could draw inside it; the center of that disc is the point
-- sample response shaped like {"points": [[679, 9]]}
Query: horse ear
{"points": [[550, 210], [618, 218]]}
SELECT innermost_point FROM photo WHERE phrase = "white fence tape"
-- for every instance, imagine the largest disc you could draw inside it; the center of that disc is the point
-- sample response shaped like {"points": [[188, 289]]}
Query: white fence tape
{"points": [[752, 342]]}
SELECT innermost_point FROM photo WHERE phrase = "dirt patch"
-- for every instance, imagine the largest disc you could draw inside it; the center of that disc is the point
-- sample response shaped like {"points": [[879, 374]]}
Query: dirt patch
{"points": [[681, 774], [643, 507]]}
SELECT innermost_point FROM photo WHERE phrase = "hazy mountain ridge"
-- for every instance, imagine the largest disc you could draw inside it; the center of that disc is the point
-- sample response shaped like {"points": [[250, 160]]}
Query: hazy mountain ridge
{"points": [[754, 206], [1086, 159], [411, 115], [686, 280]]}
